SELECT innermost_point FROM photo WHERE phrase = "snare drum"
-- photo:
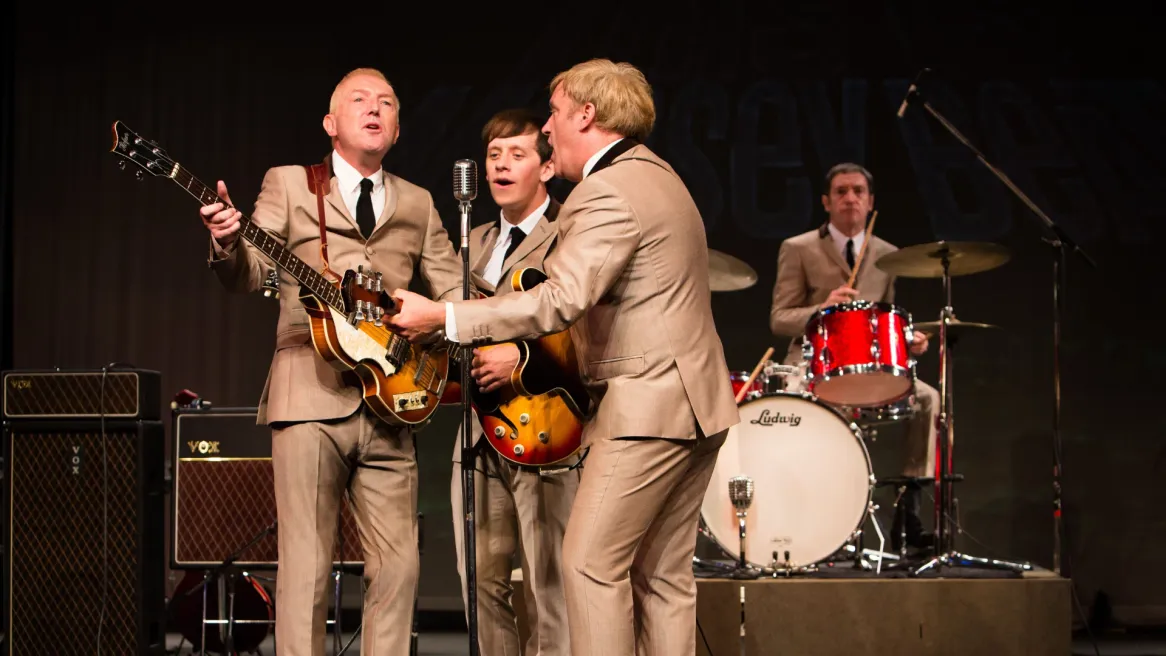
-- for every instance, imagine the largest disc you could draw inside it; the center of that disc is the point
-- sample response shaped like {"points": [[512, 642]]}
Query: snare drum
{"points": [[812, 482], [857, 354], [900, 410]]}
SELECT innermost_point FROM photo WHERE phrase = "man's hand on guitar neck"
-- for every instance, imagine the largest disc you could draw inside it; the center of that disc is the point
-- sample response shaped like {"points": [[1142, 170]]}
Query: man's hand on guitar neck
{"points": [[222, 221], [493, 365]]}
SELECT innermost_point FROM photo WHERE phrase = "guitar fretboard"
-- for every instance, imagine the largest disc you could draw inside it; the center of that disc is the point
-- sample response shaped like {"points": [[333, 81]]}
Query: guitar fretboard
{"points": [[268, 245]]}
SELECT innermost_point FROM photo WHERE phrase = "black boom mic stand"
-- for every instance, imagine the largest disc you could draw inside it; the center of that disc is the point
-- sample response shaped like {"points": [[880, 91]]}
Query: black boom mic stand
{"points": [[465, 190], [1060, 243]]}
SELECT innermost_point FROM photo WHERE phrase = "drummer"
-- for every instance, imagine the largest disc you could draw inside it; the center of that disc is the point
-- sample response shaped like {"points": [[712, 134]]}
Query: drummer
{"points": [[812, 271]]}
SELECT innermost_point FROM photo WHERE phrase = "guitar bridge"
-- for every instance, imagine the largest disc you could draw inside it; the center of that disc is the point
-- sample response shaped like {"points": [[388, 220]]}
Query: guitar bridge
{"points": [[410, 401]]}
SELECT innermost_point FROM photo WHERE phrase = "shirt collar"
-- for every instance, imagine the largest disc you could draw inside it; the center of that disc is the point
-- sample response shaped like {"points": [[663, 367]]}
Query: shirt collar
{"points": [[595, 158], [348, 178], [841, 239], [527, 224]]}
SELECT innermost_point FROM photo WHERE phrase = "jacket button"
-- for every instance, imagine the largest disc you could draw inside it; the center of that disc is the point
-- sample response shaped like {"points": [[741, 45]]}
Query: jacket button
{"points": [[368, 249]]}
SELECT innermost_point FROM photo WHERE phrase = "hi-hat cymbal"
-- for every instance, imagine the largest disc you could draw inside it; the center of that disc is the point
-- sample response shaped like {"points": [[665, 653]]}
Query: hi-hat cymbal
{"points": [[926, 260], [728, 274], [955, 327]]}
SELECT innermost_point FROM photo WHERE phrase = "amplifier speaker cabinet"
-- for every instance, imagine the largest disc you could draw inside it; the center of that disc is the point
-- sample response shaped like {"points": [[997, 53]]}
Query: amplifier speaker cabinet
{"points": [[85, 536], [224, 495]]}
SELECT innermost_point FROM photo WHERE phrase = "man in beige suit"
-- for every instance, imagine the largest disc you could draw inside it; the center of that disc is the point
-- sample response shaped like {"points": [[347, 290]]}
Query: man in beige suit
{"points": [[630, 278], [812, 271], [520, 510], [324, 440]]}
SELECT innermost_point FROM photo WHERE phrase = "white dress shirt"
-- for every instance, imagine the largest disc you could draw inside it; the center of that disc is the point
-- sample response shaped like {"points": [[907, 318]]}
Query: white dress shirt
{"points": [[348, 183], [841, 239], [493, 269]]}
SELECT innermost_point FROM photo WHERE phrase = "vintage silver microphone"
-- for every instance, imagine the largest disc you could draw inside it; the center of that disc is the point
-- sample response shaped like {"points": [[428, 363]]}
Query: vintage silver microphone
{"points": [[741, 494], [465, 190]]}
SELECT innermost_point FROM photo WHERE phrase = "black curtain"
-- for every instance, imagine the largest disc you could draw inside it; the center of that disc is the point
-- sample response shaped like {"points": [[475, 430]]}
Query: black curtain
{"points": [[8, 66]]}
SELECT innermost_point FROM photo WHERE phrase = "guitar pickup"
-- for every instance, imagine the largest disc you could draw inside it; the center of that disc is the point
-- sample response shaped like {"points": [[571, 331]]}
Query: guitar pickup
{"points": [[410, 400]]}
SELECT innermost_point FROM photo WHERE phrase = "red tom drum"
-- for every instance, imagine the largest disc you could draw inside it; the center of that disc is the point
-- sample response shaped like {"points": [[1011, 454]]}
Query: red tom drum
{"points": [[756, 388], [857, 354]]}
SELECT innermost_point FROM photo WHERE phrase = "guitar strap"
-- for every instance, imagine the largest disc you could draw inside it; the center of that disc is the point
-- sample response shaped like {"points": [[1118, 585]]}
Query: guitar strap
{"points": [[318, 182]]}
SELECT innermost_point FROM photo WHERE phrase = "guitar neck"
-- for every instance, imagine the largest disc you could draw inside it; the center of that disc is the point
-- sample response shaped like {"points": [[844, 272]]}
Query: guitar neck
{"points": [[268, 245]]}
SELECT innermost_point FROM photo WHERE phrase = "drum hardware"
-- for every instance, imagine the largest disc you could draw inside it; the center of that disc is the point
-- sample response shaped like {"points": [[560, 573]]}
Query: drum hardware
{"points": [[729, 274], [741, 495], [255, 601], [920, 261], [1060, 244]]}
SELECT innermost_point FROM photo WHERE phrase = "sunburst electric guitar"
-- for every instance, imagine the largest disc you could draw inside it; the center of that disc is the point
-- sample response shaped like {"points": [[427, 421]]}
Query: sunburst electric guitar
{"points": [[535, 418], [402, 382]]}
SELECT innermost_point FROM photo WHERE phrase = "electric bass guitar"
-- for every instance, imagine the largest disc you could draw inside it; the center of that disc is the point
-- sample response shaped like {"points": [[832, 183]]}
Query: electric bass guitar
{"points": [[402, 383], [536, 418]]}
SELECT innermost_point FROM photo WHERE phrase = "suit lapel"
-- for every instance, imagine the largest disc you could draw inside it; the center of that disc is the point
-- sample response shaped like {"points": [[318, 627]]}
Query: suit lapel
{"points": [[337, 202], [827, 245], [542, 230], [537, 237], [391, 197], [489, 238]]}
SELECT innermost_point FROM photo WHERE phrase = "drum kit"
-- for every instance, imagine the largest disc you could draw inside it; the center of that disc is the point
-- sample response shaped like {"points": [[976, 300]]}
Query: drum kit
{"points": [[793, 485]]}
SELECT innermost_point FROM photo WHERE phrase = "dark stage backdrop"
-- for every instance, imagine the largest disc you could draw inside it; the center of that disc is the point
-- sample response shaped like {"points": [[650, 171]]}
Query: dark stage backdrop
{"points": [[752, 109]]}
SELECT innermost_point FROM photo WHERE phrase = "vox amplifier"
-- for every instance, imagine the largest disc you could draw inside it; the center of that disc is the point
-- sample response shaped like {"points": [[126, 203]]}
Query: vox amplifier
{"points": [[224, 494], [82, 394]]}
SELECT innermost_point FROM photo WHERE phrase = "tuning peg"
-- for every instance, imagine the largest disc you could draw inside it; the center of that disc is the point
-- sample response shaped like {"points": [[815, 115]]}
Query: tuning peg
{"points": [[379, 287], [139, 176], [360, 275], [121, 164]]}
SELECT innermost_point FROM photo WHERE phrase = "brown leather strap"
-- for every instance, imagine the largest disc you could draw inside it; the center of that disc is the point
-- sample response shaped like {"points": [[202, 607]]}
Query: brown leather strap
{"points": [[318, 182]]}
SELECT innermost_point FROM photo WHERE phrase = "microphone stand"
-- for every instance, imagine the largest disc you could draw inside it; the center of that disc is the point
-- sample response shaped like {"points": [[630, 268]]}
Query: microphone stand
{"points": [[468, 454], [1060, 243]]}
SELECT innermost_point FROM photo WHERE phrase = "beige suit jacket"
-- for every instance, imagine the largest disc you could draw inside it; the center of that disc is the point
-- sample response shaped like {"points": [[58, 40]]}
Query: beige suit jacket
{"points": [[809, 267], [532, 252], [629, 276], [409, 234]]}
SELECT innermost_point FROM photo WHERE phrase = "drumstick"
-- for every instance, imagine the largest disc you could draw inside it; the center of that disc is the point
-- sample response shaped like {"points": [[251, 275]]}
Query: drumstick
{"points": [[862, 251], [749, 381]]}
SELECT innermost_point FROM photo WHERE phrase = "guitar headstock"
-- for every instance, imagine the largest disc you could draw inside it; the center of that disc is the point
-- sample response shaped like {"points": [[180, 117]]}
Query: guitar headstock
{"points": [[147, 155], [365, 296]]}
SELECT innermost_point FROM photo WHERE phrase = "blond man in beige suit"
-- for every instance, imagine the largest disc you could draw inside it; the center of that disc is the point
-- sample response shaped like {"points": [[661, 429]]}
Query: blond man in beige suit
{"points": [[630, 278], [812, 271], [325, 442], [521, 511]]}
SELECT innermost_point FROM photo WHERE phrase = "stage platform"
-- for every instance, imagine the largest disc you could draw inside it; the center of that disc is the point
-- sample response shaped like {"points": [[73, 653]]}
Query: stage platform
{"points": [[850, 612]]}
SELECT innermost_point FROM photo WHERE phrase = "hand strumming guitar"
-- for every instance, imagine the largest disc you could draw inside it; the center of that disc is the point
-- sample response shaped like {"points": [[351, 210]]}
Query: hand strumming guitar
{"points": [[492, 367]]}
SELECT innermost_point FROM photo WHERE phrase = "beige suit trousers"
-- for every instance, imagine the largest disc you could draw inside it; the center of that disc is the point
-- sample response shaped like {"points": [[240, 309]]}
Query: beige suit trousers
{"points": [[314, 464], [627, 555], [520, 511]]}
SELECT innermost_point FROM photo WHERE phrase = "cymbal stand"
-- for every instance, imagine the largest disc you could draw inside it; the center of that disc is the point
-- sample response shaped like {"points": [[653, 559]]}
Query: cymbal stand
{"points": [[1060, 243], [945, 553]]}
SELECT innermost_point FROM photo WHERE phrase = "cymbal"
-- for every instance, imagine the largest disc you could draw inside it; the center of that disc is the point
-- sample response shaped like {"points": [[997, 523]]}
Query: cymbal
{"points": [[955, 327], [728, 274], [926, 260]]}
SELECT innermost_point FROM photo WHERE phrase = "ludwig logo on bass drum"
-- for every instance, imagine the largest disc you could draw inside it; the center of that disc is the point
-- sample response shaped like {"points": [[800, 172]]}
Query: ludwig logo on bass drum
{"points": [[766, 419]]}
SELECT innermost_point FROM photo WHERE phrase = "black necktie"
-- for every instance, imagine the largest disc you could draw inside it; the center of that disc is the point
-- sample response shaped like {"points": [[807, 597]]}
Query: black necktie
{"points": [[364, 215], [516, 237], [850, 252]]}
